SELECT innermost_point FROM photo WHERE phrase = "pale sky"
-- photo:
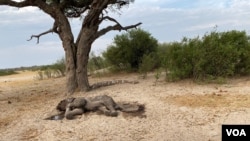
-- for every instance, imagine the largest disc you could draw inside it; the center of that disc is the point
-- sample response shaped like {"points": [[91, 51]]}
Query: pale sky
{"points": [[166, 20]]}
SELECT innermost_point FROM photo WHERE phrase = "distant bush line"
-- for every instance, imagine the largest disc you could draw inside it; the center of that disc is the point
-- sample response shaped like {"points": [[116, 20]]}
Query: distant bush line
{"points": [[215, 56], [7, 72], [55, 70]]}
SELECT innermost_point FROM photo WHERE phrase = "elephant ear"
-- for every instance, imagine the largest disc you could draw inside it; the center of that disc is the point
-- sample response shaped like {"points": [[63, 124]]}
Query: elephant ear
{"points": [[63, 103]]}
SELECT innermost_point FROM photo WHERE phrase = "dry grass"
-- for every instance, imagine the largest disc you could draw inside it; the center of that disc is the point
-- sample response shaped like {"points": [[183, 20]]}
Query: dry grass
{"points": [[211, 100]]}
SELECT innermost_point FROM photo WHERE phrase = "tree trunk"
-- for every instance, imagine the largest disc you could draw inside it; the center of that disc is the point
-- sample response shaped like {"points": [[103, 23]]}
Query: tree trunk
{"points": [[77, 56], [83, 48], [70, 68], [70, 51]]}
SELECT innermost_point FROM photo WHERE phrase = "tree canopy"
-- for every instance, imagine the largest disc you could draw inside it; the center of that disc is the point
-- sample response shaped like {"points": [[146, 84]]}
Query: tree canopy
{"points": [[129, 48]]}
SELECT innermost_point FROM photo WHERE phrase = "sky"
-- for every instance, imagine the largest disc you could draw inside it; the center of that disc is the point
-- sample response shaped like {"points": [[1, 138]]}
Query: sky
{"points": [[165, 20]]}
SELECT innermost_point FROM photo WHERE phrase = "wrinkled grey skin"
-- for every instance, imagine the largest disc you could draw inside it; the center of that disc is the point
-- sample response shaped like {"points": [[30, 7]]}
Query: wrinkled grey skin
{"points": [[104, 104], [77, 106]]}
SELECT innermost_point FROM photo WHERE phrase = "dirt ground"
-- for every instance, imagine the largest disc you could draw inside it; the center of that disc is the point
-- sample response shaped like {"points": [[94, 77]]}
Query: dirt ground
{"points": [[181, 111]]}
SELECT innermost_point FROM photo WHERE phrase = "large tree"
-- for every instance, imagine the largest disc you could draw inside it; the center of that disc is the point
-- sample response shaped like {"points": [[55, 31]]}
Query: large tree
{"points": [[93, 12]]}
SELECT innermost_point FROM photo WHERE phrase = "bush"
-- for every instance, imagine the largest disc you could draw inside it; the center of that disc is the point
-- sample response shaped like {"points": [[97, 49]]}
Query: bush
{"points": [[213, 56], [181, 59], [129, 48], [96, 63], [149, 62], [221, 56], [7, 72]]}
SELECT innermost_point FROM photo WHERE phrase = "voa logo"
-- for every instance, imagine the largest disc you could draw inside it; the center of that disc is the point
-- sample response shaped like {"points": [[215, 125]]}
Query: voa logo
{"points": [[236, 132]]}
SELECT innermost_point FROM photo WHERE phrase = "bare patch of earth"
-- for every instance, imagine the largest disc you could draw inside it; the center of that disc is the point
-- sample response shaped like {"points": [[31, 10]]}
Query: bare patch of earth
{"points": [[174, 111]]}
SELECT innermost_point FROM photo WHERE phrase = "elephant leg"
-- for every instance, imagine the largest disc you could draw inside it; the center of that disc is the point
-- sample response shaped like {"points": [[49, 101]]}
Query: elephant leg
{"points": [[107, 112], [69, 114]]}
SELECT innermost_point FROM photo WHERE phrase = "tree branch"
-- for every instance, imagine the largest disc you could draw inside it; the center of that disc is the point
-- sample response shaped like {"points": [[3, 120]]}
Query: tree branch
{"points": [[114, 27], [37, 3], [17, 4], [53, 29], [38, 36], [110, 19]]}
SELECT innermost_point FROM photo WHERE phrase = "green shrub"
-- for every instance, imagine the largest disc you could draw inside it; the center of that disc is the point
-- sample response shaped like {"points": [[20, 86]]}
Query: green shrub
{"points": [[181, 58], [129, 48], [149, 62], [216, 55], [157, 75], [7, 72], [221, 56], [96, 64]]}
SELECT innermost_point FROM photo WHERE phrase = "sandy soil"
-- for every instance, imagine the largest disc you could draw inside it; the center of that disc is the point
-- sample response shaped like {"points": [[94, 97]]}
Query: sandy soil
{"points": [[183, 111]]}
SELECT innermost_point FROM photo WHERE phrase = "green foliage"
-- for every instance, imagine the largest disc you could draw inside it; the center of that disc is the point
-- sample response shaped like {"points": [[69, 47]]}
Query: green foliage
{"points": [[96, 64], [216, 55], [7, 72], [129, 48], [149, 62], [157, 75], [181, 58], [211, 58]]}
